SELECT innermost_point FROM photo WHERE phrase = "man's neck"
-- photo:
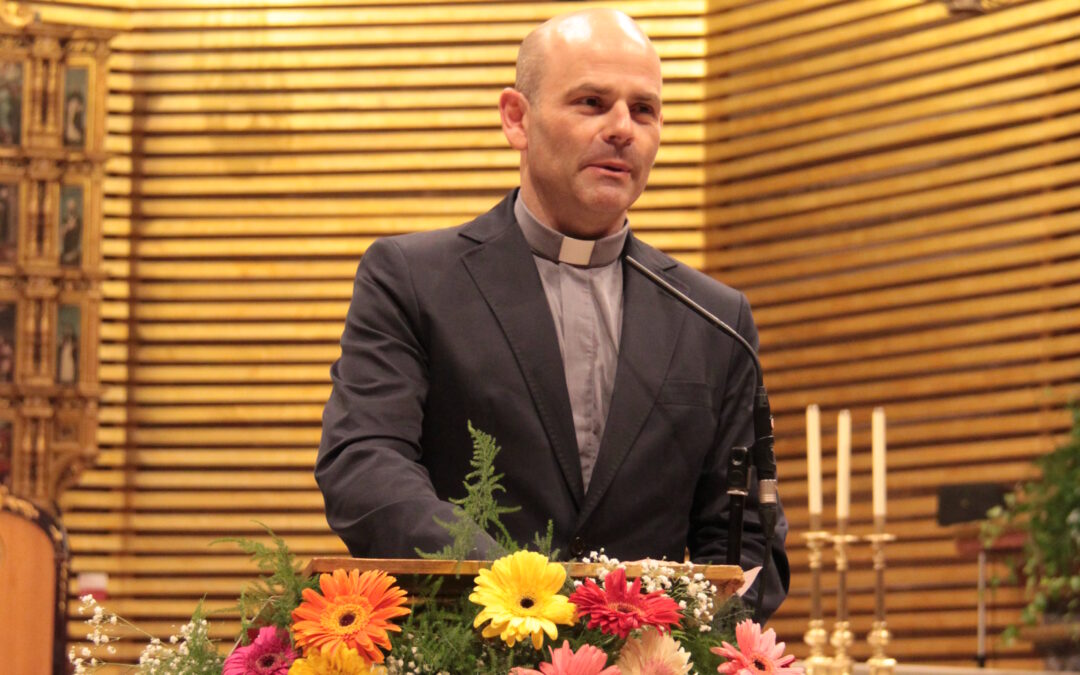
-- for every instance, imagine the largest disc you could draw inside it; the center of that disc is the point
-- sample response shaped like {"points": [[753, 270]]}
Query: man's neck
{"points": [[579, 228], [553, 245]]}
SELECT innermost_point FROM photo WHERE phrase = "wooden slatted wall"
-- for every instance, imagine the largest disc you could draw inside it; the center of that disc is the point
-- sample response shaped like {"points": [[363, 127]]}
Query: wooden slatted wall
{"points": [[900, 178], [896, 191], [259, 152]]}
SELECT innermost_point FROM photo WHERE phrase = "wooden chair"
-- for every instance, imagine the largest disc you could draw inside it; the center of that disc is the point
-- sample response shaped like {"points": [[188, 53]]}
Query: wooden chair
{"points": [[33, 589]]}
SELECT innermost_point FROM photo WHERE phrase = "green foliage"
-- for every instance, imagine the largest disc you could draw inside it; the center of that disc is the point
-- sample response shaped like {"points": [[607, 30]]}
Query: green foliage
{"points": [[581, 635], [195, 653], [697, 643], [480, 510], [1047, 510], [544, 544], [270, 599], [439, 635]]}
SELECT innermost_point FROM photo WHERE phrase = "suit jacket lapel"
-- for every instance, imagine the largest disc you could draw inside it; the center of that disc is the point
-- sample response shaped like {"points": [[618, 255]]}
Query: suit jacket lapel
{"points": [[505, 273], [651, 325]]}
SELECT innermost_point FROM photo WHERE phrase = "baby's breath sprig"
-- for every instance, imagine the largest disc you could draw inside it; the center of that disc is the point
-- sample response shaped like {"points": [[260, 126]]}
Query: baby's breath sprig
{"points": [[190, 652], [103, 625]]}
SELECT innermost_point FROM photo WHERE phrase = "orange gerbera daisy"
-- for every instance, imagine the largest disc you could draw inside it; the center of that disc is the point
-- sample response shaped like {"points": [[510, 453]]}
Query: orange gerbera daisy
{"points": [[354, 610]]}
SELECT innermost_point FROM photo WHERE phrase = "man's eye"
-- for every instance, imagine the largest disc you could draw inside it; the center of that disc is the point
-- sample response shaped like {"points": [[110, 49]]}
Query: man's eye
{"points": [[591, 101], [644, 109]]}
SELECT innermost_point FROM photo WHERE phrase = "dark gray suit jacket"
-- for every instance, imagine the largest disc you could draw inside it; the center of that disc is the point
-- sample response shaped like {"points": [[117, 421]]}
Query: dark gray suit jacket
{"points": [[453, 325]]}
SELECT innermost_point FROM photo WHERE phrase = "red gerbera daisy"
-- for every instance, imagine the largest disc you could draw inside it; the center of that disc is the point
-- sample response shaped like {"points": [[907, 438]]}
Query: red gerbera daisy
{"points": [[619, 607]]}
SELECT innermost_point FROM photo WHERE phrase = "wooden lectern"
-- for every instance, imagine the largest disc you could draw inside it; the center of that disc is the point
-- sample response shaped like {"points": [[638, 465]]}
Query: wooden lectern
{"points": [[458, 576]]}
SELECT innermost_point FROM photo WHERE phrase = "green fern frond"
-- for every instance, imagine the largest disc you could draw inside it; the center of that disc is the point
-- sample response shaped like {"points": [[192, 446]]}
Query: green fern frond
{"points": [[270, 599], [480, 511]]}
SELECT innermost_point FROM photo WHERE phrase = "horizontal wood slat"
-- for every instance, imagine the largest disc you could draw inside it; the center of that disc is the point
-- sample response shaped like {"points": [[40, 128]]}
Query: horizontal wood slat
{"points": [[260, 37], [108, 14], [407, 14]]}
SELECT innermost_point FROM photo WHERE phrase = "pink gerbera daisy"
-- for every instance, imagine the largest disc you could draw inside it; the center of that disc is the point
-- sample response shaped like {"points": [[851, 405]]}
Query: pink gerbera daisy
{"points": [[620, 608], [270, 653], [588, 660], [757, 653]]}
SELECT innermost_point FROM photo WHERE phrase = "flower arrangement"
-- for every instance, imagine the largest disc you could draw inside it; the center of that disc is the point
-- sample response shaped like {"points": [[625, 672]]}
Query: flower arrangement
{"points": [[522, 604], [667, 621]]}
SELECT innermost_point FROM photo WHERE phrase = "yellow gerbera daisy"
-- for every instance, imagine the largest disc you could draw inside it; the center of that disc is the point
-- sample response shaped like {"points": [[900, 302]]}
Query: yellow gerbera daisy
{"points": [[519, 595], [340, 661]]}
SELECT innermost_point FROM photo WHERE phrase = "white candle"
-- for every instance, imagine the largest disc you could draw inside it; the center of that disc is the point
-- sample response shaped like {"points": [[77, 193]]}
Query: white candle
{"points": [[877, 450], [843, 465], [813, 457]]}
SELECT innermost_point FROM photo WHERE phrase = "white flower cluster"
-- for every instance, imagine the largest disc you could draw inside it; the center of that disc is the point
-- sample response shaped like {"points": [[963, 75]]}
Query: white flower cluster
{"points": [[409, 664], [156, 658], [100, 622], [607, 564], [696, 595]]}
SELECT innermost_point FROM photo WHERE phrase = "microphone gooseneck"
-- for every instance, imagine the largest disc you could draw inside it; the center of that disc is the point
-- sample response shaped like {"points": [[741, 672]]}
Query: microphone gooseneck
{"points": [[761, 454]]}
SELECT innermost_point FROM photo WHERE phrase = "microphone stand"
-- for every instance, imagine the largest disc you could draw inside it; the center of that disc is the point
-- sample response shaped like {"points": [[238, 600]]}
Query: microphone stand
{"points": [[761, 454]]}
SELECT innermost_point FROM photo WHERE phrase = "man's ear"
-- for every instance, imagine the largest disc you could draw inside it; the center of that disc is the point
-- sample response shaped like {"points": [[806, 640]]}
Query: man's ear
{"points": [[513, 107]]}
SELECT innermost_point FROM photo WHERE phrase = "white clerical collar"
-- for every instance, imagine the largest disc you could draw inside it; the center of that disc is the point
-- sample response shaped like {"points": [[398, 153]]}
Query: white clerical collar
{"points": [[548, 243]]}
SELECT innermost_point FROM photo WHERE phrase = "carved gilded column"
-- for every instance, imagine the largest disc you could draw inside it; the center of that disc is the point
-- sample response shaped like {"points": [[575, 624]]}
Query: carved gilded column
{"points": [[52, 169]]}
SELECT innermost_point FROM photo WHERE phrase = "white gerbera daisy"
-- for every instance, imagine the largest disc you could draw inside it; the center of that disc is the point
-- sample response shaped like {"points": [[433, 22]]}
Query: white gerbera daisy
{"points": [[653, 653]]}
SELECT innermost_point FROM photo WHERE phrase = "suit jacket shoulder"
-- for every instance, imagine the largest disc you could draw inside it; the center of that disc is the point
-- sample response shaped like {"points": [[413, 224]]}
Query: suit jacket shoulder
{"points": [[729, 304], [436, 247]]}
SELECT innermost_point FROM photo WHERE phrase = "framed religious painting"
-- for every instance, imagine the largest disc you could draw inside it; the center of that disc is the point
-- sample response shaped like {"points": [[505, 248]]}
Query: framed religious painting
{"points": [[73, 110], [72, 216], [74, 340], [11, 208], [9, 334], [14, 104], [9, 422], [68, 343], [82, 94]]}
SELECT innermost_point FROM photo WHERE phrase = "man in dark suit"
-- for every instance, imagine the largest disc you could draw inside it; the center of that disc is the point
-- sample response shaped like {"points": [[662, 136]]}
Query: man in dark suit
{"points": [[615, 406]]}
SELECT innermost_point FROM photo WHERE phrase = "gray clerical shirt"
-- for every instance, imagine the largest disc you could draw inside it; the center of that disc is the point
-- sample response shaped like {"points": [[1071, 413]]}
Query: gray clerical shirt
{"points": [[583, 281]]}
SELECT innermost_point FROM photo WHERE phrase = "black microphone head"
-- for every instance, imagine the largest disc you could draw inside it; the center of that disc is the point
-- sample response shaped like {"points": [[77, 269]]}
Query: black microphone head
{"points": [[738, 475]]}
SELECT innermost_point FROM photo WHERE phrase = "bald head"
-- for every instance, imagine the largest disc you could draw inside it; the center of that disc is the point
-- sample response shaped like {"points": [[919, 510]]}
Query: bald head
{"points": [[596, 27], [586, 114]]}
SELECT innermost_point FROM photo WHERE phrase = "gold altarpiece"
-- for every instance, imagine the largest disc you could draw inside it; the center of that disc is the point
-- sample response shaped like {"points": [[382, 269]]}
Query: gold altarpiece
{"points": [[52, 167]]}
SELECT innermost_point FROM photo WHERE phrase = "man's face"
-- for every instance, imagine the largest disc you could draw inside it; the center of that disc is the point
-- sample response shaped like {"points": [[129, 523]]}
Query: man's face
{"points": [[592, 129]]}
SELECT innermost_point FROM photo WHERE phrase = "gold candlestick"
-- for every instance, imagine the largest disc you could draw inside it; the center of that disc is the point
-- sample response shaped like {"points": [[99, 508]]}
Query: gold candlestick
{"points": [[879, 635], [817, 663], [842, 638]]}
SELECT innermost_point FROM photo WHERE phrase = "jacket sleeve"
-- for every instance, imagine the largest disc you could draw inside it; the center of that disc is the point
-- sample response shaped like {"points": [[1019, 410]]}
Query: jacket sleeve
{"points": [[710, 516], [379, 498]]}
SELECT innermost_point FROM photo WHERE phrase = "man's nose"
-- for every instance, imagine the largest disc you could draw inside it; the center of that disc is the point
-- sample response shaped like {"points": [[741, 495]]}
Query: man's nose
{"points": [[620, 127]]}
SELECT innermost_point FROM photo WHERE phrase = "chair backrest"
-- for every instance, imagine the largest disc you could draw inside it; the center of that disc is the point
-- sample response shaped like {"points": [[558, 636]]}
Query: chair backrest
{"points": [[33, 589]]}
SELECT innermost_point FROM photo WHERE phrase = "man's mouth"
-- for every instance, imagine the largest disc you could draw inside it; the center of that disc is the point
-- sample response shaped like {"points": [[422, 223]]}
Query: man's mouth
{"points": [[612, 167]]}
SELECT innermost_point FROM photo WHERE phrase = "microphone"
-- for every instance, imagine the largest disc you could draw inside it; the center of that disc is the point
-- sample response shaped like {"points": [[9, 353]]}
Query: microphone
{"points": [[761, 454]]}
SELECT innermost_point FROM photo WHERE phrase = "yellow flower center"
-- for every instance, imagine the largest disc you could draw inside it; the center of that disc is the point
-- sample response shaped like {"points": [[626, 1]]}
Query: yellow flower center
{"points": [[527, 603], [625, 607], [348, 615]]}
